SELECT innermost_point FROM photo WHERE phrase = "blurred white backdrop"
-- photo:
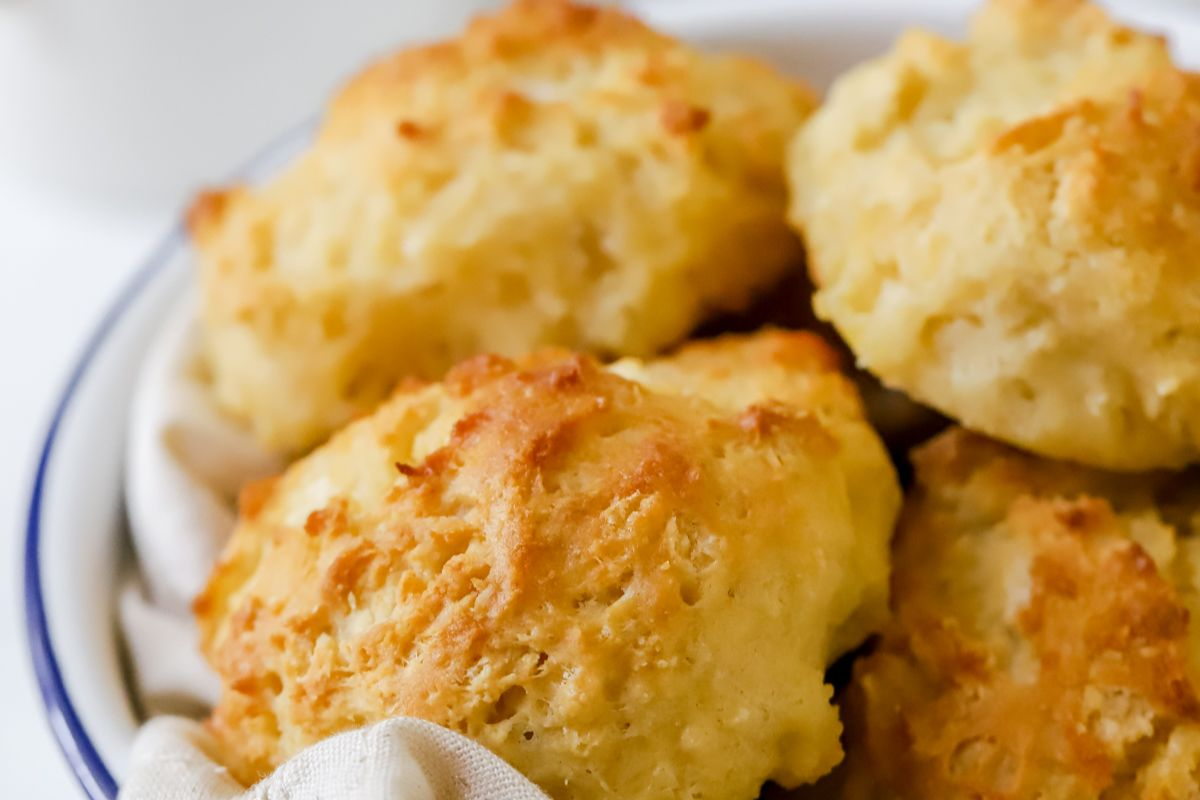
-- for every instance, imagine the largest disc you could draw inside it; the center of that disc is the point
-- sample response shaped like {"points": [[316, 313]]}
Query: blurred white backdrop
{"points": [[134, 100]]}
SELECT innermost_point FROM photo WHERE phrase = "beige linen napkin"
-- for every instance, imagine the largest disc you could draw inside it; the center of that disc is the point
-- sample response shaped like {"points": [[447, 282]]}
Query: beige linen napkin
{"points": [[185, 464], [399, 759]]}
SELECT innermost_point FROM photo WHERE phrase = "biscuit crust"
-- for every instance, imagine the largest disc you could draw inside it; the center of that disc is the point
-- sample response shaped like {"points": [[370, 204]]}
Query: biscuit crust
{"points": [[1006, 229], [625, 587], [1043, 643], [557, 175]]}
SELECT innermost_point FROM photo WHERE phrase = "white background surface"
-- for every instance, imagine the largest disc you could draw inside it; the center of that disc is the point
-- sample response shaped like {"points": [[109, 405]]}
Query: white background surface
{"points": [[63, 258]]}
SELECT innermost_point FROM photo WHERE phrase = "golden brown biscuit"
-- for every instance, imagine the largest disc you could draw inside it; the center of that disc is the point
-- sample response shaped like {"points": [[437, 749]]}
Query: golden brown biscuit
{"points": [[1042, 644], [626, 589], [739, 371], [1006, 228], [557, 175]]}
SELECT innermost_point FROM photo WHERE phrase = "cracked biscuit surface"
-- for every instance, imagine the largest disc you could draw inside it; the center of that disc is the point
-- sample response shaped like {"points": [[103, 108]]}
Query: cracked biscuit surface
{"points": [[1006, 229], [557, 175], [1044, 640], [627, 582]]}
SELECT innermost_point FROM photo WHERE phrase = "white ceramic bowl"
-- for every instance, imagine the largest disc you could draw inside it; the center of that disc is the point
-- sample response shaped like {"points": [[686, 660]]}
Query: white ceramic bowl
{"points": [[76, 545]]}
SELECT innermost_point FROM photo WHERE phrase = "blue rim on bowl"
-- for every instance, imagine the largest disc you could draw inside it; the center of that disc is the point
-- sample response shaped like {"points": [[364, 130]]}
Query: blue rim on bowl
{"points": [[93, 775], [90, 770]]}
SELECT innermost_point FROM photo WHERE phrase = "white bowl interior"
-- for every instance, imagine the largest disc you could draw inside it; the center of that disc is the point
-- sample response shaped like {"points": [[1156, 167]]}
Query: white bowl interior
{"points": [[83, 541], [82, 529]]}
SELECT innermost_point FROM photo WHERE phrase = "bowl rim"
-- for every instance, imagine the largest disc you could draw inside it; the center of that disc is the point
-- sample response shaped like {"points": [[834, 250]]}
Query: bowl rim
{"points": [[91, 772]]}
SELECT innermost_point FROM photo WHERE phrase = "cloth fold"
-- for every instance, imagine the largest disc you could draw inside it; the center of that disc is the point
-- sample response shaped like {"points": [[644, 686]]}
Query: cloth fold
{"points": [[398, 759], [186, 462]]}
